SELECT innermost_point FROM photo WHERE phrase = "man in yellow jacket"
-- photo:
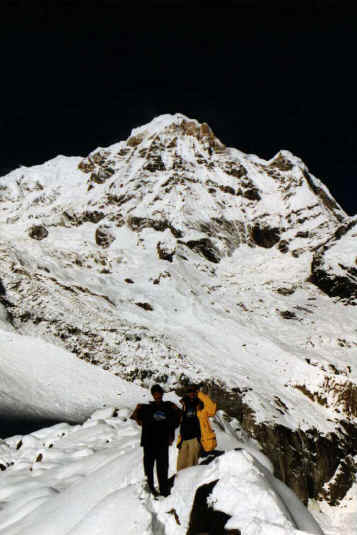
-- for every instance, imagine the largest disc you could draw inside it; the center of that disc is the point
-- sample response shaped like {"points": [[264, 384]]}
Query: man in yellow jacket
{"points": [[195, 430]]}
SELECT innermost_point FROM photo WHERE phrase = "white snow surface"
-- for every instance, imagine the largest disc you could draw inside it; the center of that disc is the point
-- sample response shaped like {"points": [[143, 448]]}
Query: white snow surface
{"points": [[41, 381], [88, 478]]}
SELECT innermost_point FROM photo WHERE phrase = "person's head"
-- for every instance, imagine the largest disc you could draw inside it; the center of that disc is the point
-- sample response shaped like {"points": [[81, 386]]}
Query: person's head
{"points": [[192, 391], [157, 392]]}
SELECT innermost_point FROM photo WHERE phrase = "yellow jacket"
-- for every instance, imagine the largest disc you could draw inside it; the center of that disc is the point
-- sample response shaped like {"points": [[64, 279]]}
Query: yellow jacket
{"points": [[208, 436]]}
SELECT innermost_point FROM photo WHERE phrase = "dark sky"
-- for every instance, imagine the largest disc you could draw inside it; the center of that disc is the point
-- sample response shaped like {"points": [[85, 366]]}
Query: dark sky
{"points": [[266, 75]]}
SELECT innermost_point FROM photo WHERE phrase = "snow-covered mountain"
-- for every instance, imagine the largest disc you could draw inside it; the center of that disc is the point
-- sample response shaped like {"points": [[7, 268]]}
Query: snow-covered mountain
{"points": [[169, 257]]}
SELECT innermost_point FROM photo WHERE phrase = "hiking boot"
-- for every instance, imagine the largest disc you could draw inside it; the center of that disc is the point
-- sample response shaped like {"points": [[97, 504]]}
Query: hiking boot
{"points": [[153, 491]]}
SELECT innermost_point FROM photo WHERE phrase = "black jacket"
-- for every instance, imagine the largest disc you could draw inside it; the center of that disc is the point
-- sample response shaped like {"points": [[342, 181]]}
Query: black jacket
{"points": [[190, 425], [158, 422]]}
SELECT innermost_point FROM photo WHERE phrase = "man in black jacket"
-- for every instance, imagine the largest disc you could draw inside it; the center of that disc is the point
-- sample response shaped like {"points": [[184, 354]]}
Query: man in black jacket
{"points": [[190, 430], [158, 420]]}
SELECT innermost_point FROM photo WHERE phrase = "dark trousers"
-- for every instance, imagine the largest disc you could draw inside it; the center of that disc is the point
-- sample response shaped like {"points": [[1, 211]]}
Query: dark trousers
{"points": [[160, 454]]}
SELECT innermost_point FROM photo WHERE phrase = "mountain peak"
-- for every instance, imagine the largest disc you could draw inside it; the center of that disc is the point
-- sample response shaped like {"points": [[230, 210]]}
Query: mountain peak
{"points": [[170, 126], [161, 122]]}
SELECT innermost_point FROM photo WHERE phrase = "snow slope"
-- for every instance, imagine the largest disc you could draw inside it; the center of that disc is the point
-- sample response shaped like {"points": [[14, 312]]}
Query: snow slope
{"points": [[88, 478], [40, 381]]}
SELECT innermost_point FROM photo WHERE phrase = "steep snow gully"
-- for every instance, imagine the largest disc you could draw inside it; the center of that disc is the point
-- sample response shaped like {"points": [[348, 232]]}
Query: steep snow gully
{"points": [[169, 257]]}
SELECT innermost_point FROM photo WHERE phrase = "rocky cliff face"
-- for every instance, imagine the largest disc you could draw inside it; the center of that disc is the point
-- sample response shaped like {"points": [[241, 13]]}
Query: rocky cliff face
{"points": [[170, 257], [334, 263]]}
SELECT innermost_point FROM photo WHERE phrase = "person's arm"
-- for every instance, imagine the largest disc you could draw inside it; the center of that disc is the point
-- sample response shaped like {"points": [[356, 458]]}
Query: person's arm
{"points": [[177, 414], [209, 405], [137, 414], [174, 420]]}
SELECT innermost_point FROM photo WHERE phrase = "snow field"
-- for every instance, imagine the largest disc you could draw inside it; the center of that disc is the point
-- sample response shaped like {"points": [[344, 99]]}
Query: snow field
{"points": [[72, 480], [88, 477]]}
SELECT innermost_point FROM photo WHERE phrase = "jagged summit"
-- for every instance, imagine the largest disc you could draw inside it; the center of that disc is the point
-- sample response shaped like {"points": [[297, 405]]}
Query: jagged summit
{"points": [[168, 128], [163, 122]]}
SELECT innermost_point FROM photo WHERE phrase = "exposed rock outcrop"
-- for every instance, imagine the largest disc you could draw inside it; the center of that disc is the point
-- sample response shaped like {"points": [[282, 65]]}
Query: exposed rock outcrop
{"points": [[166, 250], [38, 232], [103, 236], [205, 519], [205, 248], [305, 460], [334, 265], [265, 236]]}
